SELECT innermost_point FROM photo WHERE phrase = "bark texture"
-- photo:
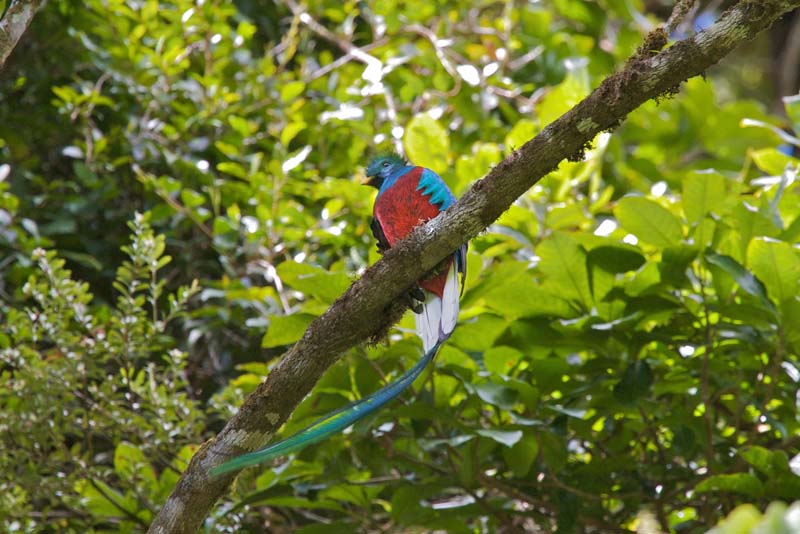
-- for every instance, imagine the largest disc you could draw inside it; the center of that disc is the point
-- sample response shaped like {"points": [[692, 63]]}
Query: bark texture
{"points": [[16, 20], [365, 308]]}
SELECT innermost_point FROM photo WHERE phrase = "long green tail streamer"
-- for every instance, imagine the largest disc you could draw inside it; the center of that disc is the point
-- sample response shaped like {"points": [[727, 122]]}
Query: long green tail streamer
{"points": [[332, 423]]}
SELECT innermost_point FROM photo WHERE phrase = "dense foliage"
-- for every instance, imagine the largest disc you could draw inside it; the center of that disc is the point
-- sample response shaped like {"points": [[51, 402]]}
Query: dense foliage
{"points": [[179, 198]]}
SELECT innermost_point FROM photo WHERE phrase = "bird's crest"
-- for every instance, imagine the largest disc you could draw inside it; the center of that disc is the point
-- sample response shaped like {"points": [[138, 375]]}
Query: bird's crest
{"points": [[378, 162], [392, 157]]}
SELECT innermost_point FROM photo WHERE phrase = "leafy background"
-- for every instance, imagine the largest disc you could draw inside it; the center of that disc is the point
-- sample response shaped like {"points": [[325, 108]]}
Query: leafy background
{"points": [[180, 197]]}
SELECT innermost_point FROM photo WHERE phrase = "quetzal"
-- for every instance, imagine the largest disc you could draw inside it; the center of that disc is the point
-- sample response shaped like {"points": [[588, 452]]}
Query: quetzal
{"points": [[407, 196]]}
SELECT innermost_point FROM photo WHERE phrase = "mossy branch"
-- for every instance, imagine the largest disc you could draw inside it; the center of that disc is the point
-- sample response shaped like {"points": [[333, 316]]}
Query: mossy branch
{"points": [[16, 20]]}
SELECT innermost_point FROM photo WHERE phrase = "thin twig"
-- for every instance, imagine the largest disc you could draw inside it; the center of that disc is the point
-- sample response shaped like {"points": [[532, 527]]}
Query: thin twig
{"points": [[679, 12]]}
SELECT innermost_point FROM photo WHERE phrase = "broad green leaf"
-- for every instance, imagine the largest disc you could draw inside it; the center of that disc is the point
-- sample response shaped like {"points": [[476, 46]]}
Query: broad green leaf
{"points": [[427, 143], [103, 500], [773, 464], [455, 441], [131, 463], [703, 192], [616, 259], [777, 265], [501, 359], [703, 233], [749, 222], [314, 281], [644, 281], [495, 394], [648, 221], [528, 394], [505, 299], [743, 483], [746, 280], [772, 161], [285, 329], [549, 372], [742, 520], [521, 455], [522, 132], [674, 263], [563, 262], [563, 97], [291, 130], [487, 155], [291, 90], [505, 437], [480, 334], [791, 321]]}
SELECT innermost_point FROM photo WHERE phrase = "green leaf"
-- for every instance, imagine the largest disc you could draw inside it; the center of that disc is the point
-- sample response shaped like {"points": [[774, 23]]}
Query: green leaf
{"points": [[742, 520], [480, 334], [746, 280], [648, 221], [522, 132], [563, 97], [291, 90], [521, 455], [427, 143], [563, 261], [86, 260], [702, 193], [495, 394], [504, 299], [674, 263], [505, 437], [291, 130], [777, 265], [285, 329], [101, 499], [749, 222], [773, 464], [772, 161], [314, 281], [130, 463], [501, 359], [743, 483], [616, 259]]}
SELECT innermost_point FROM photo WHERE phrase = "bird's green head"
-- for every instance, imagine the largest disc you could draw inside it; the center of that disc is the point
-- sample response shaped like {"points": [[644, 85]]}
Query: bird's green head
{"points": [[382, 167]]}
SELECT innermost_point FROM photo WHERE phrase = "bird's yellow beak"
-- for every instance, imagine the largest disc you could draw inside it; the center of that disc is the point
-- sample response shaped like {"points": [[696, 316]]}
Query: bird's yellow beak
{"points": [[363, 179]]}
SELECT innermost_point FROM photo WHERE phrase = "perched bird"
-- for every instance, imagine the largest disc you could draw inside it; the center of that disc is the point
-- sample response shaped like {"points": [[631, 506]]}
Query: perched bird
{"points": [[407, 197]]}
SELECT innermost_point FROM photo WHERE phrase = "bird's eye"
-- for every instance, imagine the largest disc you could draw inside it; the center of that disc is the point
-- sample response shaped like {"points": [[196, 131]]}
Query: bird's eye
{"points": [[385, 164]]}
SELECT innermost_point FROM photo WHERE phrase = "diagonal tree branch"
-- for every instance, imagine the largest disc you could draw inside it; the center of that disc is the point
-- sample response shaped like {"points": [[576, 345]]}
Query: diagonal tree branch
{"points": [[16, 20], [362, 310]]}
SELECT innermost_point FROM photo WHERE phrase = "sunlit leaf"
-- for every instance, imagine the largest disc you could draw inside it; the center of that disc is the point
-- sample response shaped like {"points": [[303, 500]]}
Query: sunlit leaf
{"points": [[742, 483], [777, 265], [702, 193], [648, 221], [563, 261], [505, 437], [427, 143], [285, 329]]}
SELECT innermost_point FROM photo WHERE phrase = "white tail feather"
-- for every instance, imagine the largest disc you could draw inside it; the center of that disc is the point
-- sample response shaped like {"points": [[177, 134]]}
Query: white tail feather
{"points": [[428, 321], [439, 316], [450, 297]]}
